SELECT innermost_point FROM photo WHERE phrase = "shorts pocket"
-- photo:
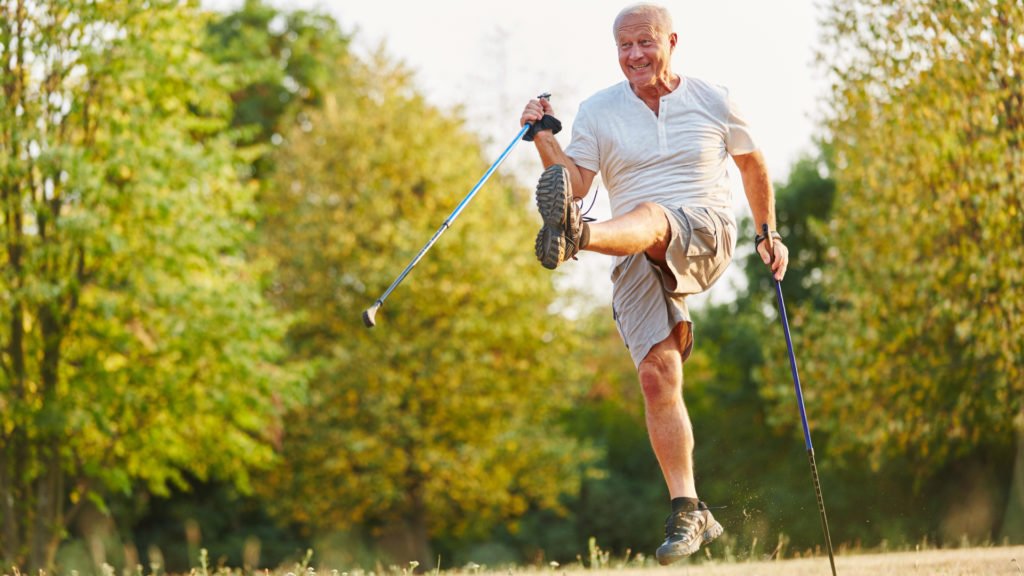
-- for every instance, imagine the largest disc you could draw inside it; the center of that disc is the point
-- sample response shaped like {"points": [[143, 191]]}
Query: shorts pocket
{"points": [[702, 241]]}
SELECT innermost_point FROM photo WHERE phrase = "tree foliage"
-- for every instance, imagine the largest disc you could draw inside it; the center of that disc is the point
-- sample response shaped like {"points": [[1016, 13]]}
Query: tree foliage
{"points": [[920, 355], [136, 344], [442, 419], [277, 64]]}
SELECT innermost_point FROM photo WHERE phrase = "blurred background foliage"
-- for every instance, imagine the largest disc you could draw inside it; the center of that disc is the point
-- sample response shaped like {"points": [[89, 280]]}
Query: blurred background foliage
{"points": [[198, 206]]}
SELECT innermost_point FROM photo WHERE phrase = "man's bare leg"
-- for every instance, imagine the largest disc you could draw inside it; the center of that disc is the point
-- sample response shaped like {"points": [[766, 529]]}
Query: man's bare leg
{"points": [[691, 524], [646, 229], [668, 422], [642, 229]]}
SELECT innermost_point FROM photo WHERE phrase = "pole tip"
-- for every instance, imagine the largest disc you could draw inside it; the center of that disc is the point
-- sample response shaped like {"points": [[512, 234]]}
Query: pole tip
{"points": [[369, 316]]}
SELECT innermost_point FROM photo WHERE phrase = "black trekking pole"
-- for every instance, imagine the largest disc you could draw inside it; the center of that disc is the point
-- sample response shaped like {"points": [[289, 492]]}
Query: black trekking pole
{"points": [[369, 315], [800, 403]]}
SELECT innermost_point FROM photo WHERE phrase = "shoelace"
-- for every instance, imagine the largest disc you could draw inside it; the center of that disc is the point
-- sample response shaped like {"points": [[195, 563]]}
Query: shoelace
{"points": [[688, 523], [592, 202], [583, 218]]}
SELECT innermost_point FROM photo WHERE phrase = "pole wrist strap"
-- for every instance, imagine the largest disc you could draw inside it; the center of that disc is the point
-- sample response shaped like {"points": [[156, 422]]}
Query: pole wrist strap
{"points": [[548, 122]]}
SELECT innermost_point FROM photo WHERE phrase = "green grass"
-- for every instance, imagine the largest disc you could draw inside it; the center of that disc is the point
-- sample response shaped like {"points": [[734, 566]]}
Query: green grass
{"points": [[978, 561]]}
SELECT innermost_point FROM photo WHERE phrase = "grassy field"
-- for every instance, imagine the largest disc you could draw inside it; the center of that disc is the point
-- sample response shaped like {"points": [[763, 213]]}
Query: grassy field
{"points": [[989, 561], [1006, 561]]}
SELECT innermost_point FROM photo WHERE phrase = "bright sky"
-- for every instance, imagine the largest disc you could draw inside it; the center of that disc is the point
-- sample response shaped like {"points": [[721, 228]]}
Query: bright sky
{"points": [[491, 57], [494, 56]]}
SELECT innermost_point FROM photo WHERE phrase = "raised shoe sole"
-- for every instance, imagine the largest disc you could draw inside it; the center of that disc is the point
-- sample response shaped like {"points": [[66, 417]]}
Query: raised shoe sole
{"points": [[553, 205]]}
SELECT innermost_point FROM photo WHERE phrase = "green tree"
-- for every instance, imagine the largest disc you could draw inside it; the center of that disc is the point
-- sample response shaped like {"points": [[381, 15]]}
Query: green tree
{"points": [[136, 345], [927, 124], [275, 64], [921, 350], [278, 64], [440, 421]]}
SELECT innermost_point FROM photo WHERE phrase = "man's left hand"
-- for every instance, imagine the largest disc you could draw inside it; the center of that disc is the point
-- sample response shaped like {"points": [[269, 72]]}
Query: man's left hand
{"points": [[775, 254]]}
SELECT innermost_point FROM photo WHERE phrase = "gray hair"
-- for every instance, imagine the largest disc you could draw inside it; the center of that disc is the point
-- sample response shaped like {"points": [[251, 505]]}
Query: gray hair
{"points": [[658, 14]]}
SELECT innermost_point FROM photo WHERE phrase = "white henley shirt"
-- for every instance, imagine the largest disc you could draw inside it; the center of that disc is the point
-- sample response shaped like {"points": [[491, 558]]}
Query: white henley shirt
{"points": [[677, 157]]}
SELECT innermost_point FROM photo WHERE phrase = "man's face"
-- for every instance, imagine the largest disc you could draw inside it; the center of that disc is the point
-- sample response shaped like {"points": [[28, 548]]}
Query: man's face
{"points": [[645, 51]]}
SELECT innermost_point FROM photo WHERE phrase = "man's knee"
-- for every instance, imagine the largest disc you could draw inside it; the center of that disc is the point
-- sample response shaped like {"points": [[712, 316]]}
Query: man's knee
{"points": [[651, 209], [661, 377], [657, 218], [661, 371], [659, 229]]}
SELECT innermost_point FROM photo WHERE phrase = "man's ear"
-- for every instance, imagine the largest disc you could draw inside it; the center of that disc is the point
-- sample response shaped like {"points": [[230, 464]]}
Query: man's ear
{"points": [[672, 39]]}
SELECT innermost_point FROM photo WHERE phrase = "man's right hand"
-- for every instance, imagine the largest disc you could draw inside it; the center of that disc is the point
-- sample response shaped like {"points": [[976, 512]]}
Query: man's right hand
{"points": [[535, 110], [549, 149]]}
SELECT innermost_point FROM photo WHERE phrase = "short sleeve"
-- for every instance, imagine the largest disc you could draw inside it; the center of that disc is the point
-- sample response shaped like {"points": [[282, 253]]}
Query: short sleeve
{"points": [[738, 138], [583, 148]]}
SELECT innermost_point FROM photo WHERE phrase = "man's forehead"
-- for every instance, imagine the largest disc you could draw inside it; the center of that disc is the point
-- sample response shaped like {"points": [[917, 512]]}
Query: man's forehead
{"points": [[633, 24], [638, 28]]}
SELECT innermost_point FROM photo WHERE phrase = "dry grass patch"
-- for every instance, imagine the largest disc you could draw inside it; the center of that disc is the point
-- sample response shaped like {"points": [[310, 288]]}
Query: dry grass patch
{"points": [[1005, 561]]}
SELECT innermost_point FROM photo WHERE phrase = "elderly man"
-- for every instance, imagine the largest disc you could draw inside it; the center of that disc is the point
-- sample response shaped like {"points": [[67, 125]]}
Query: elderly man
{"points": [[661, 142]]}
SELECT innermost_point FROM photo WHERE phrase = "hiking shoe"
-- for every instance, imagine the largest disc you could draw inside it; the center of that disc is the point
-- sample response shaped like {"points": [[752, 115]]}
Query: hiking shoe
{"points": [[685, 531], [558, 240]]}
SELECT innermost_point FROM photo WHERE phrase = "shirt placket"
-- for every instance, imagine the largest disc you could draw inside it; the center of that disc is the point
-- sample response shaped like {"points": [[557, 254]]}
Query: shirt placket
{"points": [[662, 121]]}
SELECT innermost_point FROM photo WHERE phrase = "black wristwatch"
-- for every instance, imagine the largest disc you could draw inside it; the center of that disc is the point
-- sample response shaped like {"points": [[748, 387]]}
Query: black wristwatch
{"points": [[758, 238]]}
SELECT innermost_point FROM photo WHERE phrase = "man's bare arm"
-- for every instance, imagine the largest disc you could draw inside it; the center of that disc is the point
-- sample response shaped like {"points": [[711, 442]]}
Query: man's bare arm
{"points": [[758, 188], [551, 152], [761, 197]]}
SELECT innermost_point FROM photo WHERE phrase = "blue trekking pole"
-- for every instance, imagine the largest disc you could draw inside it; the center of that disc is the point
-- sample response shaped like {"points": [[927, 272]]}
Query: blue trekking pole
{"points": [[800, 403], [369, 315]]}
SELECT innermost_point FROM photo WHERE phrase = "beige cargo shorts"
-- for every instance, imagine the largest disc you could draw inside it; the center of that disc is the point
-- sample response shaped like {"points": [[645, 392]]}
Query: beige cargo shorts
{"points": [[644, 307]]}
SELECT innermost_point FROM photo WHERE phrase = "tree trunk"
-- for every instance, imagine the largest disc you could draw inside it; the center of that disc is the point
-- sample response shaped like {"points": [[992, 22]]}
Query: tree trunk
{"points": [[12, 488], [1013, 520], [408, 539], [10, 543], [15, 449], [48, 525], [45, 530]]}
